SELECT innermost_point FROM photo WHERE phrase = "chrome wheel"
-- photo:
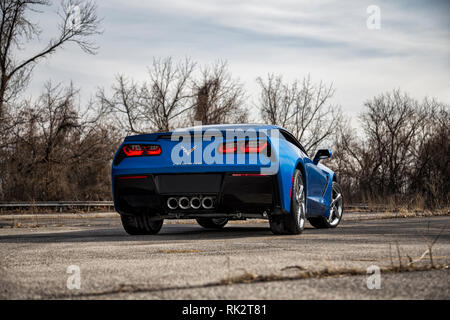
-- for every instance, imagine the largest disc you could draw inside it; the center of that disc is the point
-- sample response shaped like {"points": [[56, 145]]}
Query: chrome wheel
{"points": [[336, 206]]}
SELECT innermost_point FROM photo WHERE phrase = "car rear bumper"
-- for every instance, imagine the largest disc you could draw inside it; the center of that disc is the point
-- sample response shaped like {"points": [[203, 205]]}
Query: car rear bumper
{"points": [[237, 195]]}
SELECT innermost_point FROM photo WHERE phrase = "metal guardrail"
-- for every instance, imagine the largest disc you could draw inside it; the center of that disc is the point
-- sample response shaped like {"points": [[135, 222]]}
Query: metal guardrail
{"points": [[59, 205]]}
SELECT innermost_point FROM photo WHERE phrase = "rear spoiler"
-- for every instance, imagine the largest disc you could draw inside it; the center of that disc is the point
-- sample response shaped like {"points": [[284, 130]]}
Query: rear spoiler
{"points": [[149, 137]]}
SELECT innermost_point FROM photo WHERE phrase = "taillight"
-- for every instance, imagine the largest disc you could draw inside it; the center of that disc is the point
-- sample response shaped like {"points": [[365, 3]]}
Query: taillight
{"points": [[135, 150], [153, 150], [132, 177], [229, 147], [253, 146]]}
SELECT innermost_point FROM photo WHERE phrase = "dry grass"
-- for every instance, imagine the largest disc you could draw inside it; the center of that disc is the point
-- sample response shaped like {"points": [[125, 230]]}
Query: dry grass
{"points": [[403, 213], [406, 205]]}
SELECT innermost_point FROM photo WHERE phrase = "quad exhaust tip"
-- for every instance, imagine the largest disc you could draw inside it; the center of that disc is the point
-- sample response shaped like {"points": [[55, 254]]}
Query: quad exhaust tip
{"points": [[207, 203], [184, 203], [196, 203], [193, 203], [172, 203]]}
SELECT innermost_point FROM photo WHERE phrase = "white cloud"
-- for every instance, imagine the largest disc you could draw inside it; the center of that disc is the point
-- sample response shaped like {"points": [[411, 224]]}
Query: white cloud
{"points": [[327, 39]]}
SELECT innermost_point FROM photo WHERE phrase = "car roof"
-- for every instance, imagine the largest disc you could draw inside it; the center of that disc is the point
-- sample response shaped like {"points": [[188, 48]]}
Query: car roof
{"points": [[245, 126], [221, 127]]}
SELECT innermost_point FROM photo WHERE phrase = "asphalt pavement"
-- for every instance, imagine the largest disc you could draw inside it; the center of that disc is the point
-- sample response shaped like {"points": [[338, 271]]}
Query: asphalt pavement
{"points": [[46, 257]]}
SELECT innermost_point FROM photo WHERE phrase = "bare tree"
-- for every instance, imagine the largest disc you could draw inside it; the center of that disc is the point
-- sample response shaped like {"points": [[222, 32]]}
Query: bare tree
{"points": [[277, 100], [218, 98], [168, 94], [153, 106], [125, 107], [403, 154], [79, 21], [354, 162], [58, 152], [431, 153], [301, 107], [391, 123]]}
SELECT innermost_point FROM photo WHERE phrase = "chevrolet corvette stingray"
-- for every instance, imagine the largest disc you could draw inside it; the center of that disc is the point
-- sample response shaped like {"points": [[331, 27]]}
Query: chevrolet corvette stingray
{"points": [[218, 173]]}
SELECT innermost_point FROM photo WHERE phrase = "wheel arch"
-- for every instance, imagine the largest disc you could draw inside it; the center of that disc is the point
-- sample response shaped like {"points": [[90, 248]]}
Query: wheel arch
{"points": [[300, 166], [335, 178]]}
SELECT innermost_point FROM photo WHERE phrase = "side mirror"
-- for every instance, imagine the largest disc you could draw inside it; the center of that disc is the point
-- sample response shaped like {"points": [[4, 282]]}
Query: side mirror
{"points": [[322, 154]]}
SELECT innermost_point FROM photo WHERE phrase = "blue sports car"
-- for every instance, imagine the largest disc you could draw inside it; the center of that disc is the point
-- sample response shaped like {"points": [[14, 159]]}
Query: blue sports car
{"points": [[218, 173]]}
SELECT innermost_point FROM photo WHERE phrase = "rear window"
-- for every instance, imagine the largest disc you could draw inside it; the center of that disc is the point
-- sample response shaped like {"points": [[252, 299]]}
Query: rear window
{"points": [[290, 138]]}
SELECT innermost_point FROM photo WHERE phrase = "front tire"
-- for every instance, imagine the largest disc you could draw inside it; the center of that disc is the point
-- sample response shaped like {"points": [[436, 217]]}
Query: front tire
{"points": [[141, 225], [294, 222], [336, 210], [212, 223]]}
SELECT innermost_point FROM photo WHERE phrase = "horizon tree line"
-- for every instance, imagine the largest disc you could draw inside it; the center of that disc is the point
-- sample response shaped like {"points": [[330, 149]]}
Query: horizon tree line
{"points": [[57, 148]]}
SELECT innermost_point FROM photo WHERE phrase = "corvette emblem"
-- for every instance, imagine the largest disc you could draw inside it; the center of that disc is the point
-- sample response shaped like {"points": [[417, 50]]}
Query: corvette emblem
{"points": [[188, 152]]}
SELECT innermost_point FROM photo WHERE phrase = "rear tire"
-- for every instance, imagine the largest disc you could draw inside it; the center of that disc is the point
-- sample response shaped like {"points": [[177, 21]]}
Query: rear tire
{"points": [[212, 223], [336, 210], [141, 225], [294, 222]]}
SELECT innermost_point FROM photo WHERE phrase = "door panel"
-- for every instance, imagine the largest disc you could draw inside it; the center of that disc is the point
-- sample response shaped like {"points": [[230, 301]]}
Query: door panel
{"points": [[316, 183]]}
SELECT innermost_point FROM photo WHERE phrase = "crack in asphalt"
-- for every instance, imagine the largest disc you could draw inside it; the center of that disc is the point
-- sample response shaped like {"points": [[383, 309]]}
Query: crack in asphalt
{"points": [[250, 278]]}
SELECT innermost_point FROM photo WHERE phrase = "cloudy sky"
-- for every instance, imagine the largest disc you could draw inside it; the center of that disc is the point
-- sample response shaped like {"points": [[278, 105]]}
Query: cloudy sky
{"points": [[327, 39]]}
